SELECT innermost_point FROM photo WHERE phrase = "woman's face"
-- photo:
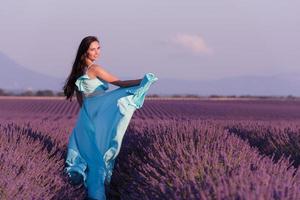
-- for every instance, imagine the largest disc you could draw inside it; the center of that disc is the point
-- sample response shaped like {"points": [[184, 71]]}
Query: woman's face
{"points": [[94, 51]]}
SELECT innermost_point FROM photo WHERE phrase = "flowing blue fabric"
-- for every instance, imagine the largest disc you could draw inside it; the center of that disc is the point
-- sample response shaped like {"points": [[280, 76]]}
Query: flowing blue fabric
{"points": [[96, 139]]}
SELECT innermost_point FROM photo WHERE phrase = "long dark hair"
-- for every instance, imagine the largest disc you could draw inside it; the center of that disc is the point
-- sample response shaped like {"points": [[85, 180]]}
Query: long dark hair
{"points": [[78, 66]]}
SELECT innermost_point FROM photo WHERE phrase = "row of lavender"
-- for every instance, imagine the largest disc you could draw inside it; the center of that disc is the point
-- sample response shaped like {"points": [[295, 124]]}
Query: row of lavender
{"points": [[31, 164], [272, 138]]}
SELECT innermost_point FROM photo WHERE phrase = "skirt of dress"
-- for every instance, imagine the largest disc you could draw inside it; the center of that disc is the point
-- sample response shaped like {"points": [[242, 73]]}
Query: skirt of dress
{"points": [[97, 136]]}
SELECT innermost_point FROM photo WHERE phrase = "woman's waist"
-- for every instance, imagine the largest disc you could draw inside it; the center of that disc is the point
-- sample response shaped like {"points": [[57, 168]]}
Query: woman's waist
{"points": [[94, 93]]}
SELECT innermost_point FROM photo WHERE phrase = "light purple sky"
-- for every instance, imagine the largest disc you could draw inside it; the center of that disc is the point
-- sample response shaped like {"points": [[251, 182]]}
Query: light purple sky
{"points": [[191, 39]]}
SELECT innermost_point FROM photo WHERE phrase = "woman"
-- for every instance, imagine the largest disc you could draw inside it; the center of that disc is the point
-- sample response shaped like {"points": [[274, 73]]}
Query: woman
{"points": [[103, 118]]}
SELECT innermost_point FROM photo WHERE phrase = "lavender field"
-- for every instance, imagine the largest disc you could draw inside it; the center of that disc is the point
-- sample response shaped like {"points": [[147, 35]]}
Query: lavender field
{"points": [[172, 149]]}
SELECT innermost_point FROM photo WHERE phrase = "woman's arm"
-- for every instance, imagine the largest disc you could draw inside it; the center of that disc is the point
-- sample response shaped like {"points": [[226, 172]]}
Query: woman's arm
{"points": [[105, 75], [79, 97], [129, 83]]}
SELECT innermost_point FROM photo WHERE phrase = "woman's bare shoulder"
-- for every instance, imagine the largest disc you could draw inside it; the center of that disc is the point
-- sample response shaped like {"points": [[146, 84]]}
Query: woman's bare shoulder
{"points": [[100, 72], [96, 66], [95, 69]]}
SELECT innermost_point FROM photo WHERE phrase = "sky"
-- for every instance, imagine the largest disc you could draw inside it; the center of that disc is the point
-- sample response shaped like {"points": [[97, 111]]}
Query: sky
{"points": [[187, 40]]}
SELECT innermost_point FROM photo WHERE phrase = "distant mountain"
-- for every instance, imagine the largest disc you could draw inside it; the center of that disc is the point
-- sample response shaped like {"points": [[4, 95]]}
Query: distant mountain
{"points": [[279, 85], [15, 77]]}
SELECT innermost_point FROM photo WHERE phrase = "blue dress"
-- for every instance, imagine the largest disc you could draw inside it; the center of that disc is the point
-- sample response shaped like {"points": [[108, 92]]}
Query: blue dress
{"points": [[96, 139]]}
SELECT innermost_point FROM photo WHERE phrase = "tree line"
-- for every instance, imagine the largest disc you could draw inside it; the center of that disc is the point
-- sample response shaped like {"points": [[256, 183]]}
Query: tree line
{"points": [[53, 93]]}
